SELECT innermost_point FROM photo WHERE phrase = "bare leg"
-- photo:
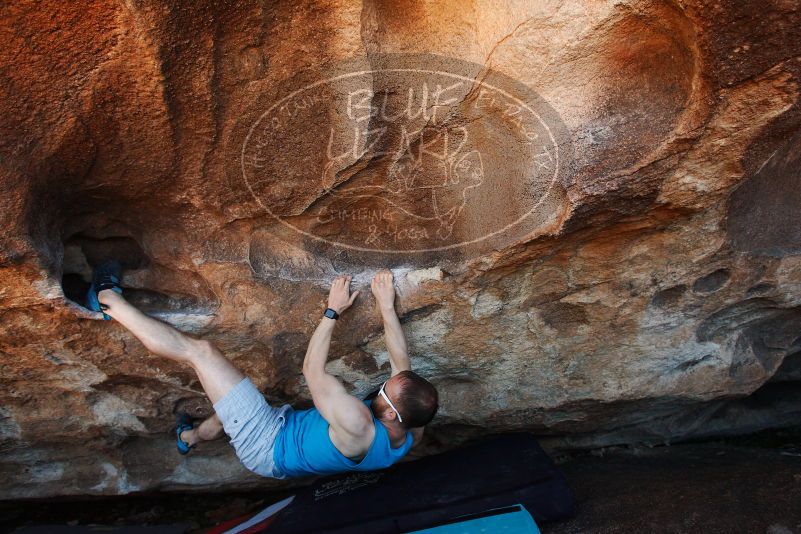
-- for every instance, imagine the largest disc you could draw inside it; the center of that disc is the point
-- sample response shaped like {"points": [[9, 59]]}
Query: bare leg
{"points": [[216, 373], [210, 429]]}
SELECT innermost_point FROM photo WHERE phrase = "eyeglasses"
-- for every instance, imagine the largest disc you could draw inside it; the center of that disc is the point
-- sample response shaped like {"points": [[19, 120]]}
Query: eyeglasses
{"points": [[381, 392]]}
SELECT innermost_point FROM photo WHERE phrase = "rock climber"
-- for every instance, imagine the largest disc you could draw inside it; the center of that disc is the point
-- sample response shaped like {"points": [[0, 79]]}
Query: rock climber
{"points": [[341, 433]]}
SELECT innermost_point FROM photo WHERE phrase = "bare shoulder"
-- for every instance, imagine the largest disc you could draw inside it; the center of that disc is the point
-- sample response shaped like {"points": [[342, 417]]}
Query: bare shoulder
{"points": [[354, 440], [358, 421]]}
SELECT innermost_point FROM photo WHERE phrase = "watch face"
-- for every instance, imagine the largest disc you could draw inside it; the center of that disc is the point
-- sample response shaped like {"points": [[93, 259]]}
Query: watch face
{"points": [[331, 314]]}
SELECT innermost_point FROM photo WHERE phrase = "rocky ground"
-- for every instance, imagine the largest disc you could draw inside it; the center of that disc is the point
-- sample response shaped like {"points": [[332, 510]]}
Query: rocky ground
{"points": [[746, 484]]}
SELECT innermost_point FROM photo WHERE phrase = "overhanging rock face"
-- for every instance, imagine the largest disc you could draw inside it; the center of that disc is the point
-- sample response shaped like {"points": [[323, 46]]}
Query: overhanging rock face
{"points": [[591, 210]]}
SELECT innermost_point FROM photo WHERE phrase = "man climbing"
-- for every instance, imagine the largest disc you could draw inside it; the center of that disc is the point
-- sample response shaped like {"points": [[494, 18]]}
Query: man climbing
{"points": [[341, 433]]}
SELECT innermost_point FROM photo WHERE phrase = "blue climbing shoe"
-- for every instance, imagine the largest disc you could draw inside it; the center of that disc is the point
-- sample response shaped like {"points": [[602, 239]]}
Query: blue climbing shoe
{"points": [[184, 422], [105, 276]]}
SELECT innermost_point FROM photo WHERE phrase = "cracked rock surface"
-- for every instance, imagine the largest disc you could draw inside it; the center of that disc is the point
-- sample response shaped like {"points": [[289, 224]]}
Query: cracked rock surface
{"points": [[591, 211]]}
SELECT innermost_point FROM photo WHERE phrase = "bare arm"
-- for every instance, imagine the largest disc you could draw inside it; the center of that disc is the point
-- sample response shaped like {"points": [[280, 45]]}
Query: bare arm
{"points": [[395, 341], [384, 292], [344, 412]]}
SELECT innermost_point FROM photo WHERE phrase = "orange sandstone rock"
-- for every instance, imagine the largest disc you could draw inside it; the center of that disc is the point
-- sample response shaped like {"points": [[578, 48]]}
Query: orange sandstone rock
{"points": [[590, 209]]}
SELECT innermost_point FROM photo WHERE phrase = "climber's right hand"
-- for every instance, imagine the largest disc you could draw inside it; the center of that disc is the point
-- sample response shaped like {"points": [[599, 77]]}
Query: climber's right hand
{"points": [[340, 298]]}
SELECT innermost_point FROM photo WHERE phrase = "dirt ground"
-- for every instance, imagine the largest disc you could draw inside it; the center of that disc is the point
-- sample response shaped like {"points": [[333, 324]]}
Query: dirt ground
{"points": [[707, 488], [741, 485]]}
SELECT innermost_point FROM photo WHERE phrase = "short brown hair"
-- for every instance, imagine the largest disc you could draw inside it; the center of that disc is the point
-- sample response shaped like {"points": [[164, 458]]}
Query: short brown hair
{"points": [[419, 400]]}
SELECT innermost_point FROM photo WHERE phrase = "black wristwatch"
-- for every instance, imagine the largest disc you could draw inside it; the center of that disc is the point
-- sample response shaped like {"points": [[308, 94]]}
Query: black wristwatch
{"points": [[331, 314]]}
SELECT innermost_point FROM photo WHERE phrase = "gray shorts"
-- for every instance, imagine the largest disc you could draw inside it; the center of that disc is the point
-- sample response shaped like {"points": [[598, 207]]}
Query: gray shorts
{"points": [[253, 426]]}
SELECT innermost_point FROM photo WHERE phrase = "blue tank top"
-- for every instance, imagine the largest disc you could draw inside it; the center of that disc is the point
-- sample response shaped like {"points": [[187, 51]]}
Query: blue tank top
{"points": [[303, 447]]}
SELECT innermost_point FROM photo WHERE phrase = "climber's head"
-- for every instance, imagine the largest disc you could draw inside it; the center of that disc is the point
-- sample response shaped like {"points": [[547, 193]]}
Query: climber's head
{"points": [[415, 399]]}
